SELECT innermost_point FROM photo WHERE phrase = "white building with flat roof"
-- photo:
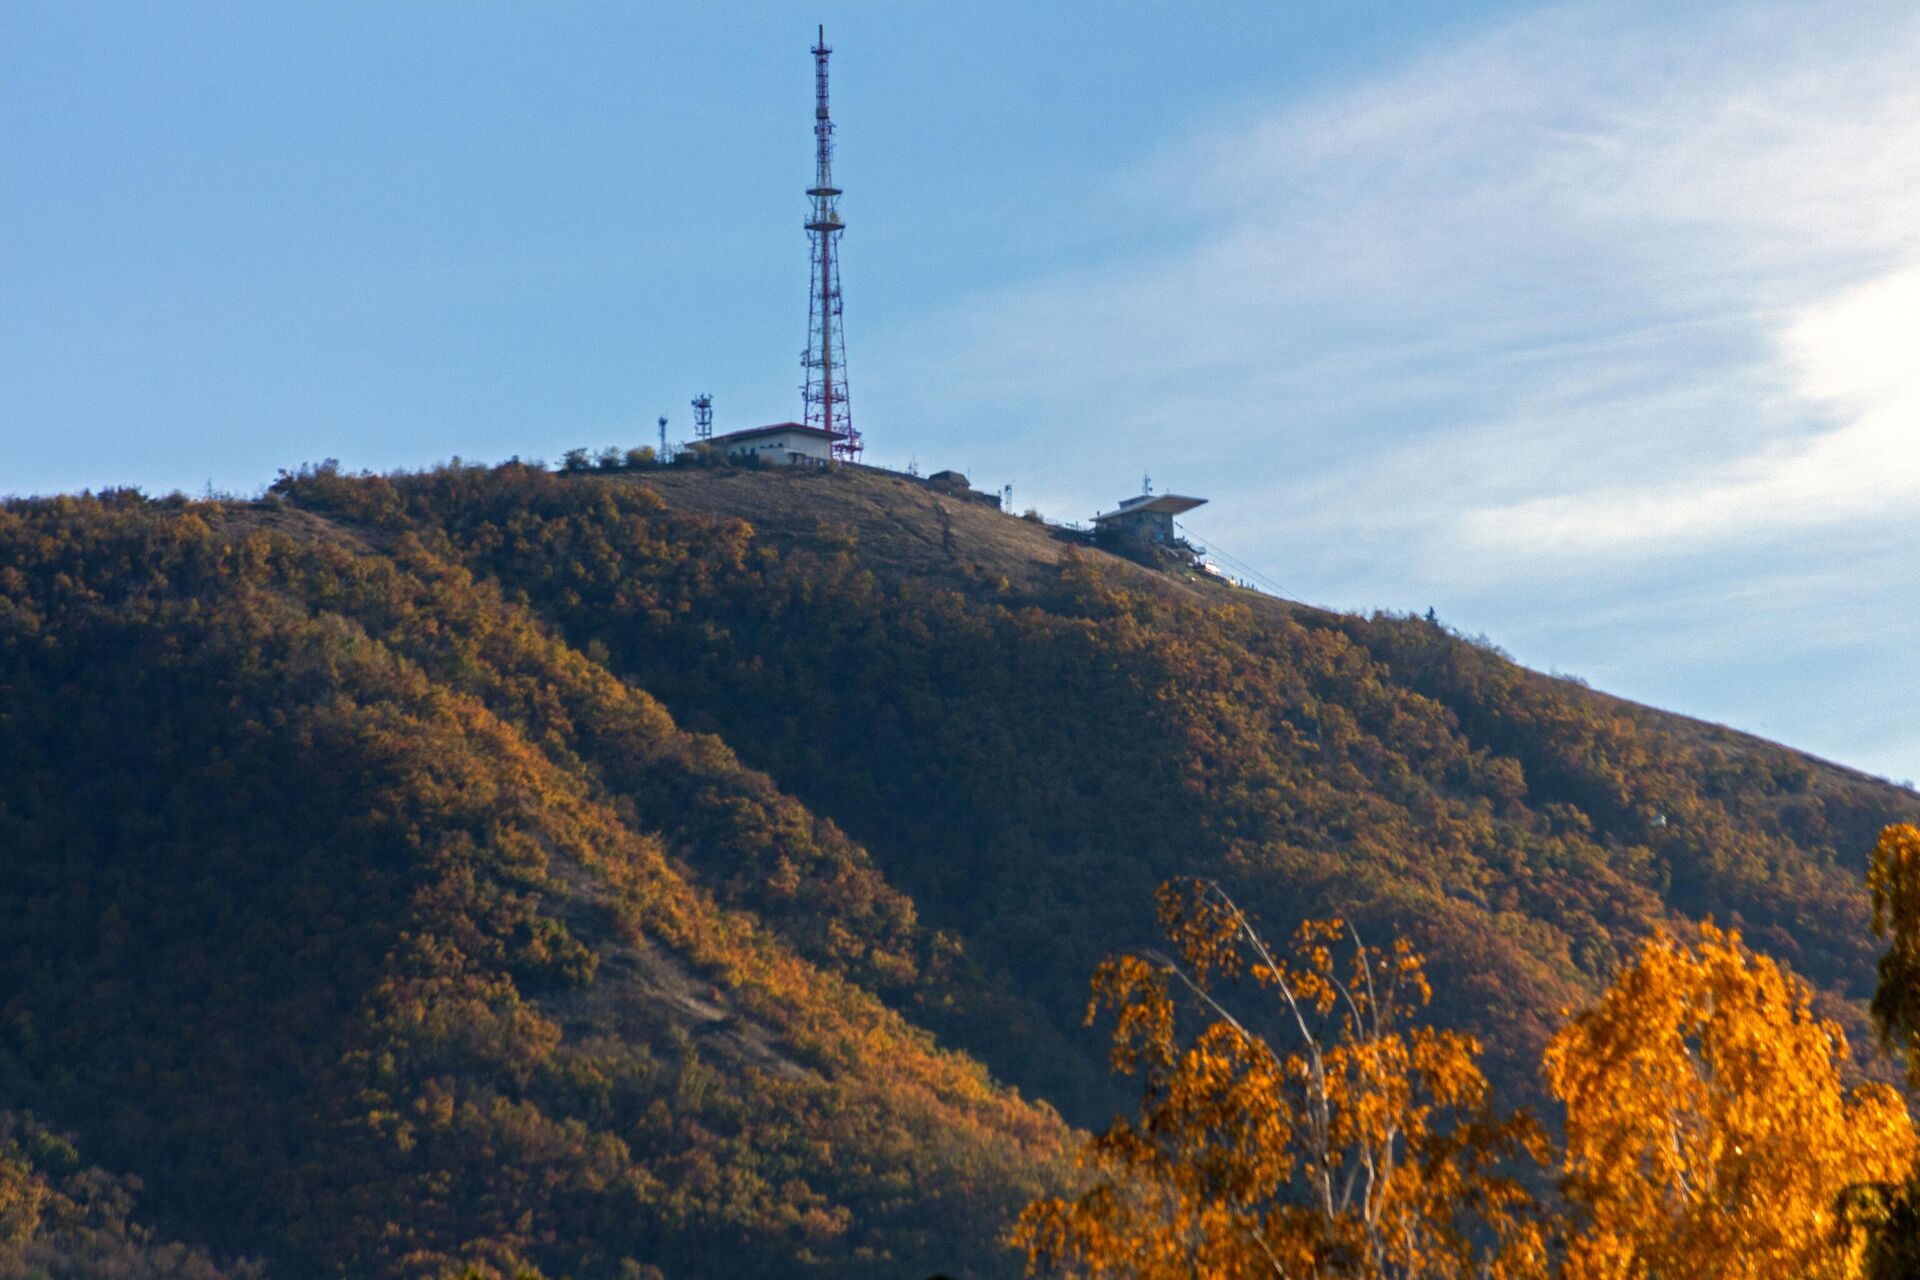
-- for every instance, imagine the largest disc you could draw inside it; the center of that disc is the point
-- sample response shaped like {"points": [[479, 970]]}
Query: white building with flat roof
{"points": [[783, 444]]}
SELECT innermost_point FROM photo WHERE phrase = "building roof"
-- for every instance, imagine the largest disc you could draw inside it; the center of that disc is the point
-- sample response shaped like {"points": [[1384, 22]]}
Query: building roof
{"points": [[778, 428], [1171, 503]]}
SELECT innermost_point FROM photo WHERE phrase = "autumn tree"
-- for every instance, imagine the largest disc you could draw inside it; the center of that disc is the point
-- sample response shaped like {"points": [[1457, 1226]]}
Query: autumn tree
{"points": [[1348, 1141], [1707, 1129], [1891, 1211], [1893, 881]]}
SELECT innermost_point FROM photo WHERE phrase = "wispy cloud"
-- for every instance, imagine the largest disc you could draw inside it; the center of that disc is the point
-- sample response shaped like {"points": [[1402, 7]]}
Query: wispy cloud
{"points": [[1613, 293]]}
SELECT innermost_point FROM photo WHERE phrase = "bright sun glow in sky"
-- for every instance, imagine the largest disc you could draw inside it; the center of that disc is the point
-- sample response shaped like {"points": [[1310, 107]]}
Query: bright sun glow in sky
{"points": [[1594, 326]]}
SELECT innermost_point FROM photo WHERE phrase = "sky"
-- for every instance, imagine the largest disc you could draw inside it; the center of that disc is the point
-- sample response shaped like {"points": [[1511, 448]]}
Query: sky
{"points": [[1595, 327]]}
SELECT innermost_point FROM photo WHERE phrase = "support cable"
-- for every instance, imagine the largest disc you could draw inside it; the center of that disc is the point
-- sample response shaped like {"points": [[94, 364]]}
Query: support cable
{"points": [[1214, 548]]}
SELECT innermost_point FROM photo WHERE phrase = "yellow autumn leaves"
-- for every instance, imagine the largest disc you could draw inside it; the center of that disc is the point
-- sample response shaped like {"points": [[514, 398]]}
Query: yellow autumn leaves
{"points": [[1707, 1129], [1322, 1131], [1365, 1146]]}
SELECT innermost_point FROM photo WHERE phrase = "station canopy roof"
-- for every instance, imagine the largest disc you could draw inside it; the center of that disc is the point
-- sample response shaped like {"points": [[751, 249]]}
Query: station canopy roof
{"points": [[1170, 503]]}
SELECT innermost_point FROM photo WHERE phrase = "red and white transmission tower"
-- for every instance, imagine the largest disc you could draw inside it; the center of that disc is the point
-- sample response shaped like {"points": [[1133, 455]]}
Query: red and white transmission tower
{"points": [[825, 358]]}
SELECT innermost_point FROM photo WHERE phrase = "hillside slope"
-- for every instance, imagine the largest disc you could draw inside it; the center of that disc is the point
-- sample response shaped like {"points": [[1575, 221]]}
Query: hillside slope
{"points": [[580, 868], [1027, 736], [379, 932]]}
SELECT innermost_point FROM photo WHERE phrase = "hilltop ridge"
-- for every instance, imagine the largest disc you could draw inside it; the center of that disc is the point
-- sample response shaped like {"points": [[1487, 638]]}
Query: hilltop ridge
{"points": [[873, 501]]}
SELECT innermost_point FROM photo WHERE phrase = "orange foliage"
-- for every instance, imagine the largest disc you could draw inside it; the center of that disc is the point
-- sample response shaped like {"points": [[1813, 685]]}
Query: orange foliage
{"points": [[1364, 1147], [1708, 1132]]}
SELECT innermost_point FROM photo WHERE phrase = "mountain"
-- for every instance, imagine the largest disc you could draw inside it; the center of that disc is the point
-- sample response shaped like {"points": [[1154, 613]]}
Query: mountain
{"points": [[696, 871]]}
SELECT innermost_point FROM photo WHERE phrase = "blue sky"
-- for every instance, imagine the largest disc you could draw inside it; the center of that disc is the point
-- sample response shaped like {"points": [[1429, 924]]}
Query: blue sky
{"points": [[1595, 327]]}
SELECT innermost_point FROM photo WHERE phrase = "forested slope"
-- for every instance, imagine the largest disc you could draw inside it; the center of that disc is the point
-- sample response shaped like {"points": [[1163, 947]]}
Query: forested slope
{"points": [[494, 864], [1028, 736], [379, 932]]}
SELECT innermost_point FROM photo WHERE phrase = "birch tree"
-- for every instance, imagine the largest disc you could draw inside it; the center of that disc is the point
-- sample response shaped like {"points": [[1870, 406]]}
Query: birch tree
{"points": [[1708, 1130], [1298, 1120]]}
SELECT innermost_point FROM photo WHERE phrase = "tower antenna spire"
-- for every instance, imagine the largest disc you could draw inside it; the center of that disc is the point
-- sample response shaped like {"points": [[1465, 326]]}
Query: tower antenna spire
{"points": [[825, 359]]}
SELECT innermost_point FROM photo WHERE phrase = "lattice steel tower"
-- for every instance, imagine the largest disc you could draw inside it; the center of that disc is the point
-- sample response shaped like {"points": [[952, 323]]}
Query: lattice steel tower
{"points": [[825, 358]]}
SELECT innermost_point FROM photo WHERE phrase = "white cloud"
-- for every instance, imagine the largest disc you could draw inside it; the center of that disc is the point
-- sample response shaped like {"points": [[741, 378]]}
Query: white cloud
{"points": [[1610, 305], [1862, 350], [1555, 230], [1857, 354]]}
